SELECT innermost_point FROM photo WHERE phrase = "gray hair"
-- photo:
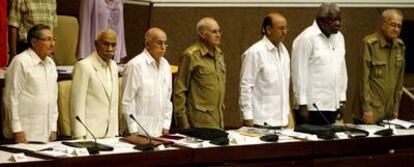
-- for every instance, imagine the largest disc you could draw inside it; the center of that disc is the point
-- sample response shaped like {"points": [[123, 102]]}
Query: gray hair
{"points": [[327, 9], [104, 31], [386, 14], [202, 24]]}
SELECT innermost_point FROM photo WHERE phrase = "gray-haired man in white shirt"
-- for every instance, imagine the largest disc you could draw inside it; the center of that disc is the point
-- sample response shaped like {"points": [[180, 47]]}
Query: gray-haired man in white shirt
{"points": [[318, 68], [264, 83], [148, 87]]}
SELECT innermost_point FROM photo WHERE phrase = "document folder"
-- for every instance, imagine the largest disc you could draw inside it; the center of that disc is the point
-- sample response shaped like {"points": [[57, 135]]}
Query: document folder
{"points": [[142, 140], [86, 144]]}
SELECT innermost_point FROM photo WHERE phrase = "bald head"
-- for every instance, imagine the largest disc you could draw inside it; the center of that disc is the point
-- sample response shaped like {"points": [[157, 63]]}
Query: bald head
{"points": [[275, 27], [270, 20], [154, 33], [105, 44], [156, 42]]}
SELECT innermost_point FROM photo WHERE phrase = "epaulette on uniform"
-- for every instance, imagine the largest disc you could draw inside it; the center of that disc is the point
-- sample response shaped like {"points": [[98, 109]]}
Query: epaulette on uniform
{"points": [[371, 39], [193, 49], [400, 41]]}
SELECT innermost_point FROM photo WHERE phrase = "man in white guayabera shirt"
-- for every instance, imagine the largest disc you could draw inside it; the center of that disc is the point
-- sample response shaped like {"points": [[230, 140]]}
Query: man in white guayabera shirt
{"points": [[318, 68], [30, 96], [147, 87], [264, 83]]}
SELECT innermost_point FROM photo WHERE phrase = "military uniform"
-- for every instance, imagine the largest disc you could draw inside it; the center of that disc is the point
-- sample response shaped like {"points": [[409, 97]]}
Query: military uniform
{"points": [[199, 88], [382, 76]]}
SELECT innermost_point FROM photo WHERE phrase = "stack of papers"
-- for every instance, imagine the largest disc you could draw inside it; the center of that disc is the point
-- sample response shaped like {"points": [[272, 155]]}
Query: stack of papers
{"points": [[400, 123]]}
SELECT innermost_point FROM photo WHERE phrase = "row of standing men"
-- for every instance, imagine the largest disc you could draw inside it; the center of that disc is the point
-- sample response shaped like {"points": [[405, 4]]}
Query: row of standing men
{"points": [[317, 70]]}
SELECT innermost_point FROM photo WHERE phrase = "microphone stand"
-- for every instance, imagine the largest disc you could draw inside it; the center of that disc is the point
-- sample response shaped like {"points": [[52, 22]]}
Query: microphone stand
{"points": [[94, 148], [143, 147], [331, 133], [269, 137]]}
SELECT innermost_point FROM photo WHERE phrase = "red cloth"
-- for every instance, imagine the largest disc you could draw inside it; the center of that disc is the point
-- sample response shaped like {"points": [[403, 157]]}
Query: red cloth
{"points": [[3, 33]]}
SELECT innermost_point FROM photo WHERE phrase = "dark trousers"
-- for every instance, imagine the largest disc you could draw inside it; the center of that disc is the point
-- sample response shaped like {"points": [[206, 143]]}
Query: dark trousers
{"points": [[315, 117]]}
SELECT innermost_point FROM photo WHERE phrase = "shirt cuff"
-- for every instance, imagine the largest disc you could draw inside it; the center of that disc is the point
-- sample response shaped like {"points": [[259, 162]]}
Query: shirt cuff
{"points": [[247, 115], [343, 97], [54, 126], [16, 126], [166, 124], [302, 100]]}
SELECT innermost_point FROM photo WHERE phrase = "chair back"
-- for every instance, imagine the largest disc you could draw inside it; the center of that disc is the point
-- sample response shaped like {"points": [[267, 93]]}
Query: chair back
{"points": [[66, 35]]}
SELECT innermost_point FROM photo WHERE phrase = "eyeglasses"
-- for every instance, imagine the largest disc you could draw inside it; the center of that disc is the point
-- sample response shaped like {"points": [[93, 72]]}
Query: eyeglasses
{"points": [[47, 39], [215, 31], [161, 43], [281, 28], [393, 25]]}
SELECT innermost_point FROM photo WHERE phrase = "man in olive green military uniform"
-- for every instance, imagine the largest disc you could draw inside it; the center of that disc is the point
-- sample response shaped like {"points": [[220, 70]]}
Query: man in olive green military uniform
{"points": [[383, 70], [199, 88]]}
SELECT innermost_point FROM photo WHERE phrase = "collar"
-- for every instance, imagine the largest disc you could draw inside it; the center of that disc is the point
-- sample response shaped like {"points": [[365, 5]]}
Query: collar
{"points": [[269, 45], [36, 59], [149, 59], [204, 50], [316, 30], [383, 42], [102, 62]]}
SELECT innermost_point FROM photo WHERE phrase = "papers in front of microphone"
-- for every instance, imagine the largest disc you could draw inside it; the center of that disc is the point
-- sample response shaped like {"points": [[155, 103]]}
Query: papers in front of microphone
{"points": [[253, 132], [50, 149], [298, 135], [6, 157], [57, 149], [18, 157], [399, 123]]}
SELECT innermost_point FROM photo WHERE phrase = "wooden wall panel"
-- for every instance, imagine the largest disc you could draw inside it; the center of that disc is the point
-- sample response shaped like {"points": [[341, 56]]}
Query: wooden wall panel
{"points": [[241, 28]]}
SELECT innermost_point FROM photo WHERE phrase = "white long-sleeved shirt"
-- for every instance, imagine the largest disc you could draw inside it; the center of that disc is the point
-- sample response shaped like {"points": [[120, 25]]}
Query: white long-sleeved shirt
{"points": [[264, 84], [31, 96], [147, 94], [318, 69]]}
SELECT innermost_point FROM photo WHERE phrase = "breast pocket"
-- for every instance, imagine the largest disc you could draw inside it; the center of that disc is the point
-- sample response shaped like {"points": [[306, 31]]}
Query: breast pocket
{"points": [[206, 75], [147, 88], [378, 69], [270, 73], [36, 81]]}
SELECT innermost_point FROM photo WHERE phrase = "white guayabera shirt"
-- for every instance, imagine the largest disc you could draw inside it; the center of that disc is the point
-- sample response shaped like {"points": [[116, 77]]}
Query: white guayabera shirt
{"points": [[264, 84], [147, 94], [31, 96], [318, 69]]}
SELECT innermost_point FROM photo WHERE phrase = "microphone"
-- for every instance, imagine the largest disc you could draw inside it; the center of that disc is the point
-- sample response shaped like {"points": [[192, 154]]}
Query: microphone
{"points": [[320, 113], [94, 148], [269, 137], [385, 132], [143, 147], [331, 133]]}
